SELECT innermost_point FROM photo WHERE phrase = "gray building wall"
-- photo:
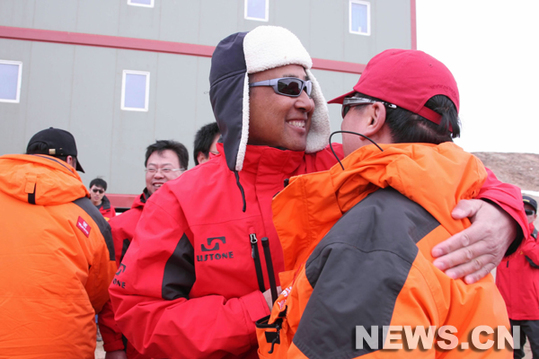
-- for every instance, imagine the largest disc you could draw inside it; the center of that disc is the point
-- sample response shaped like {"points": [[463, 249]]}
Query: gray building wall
{"points": [[78, 87]]}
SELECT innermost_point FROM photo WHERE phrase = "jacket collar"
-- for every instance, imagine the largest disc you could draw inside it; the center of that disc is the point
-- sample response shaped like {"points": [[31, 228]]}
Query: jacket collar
{"points": [[49, 180]]}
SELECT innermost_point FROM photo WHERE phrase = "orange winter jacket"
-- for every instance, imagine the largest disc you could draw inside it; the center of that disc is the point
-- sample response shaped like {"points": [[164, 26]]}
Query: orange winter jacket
{"points": [[357, 244], [56, 260]]}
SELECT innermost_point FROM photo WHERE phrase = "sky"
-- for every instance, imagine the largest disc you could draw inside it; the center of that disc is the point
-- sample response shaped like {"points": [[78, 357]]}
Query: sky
{"points": [[492, 49]]}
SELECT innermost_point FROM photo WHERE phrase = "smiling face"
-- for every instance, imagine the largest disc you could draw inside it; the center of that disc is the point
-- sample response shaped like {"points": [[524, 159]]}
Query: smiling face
{"points": [[166, 159], [277, 120]]}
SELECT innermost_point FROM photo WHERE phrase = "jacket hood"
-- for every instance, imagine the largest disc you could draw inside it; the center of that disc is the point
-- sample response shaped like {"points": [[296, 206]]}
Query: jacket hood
{"points": [[40, 180], [244, 53], [434, 176]]}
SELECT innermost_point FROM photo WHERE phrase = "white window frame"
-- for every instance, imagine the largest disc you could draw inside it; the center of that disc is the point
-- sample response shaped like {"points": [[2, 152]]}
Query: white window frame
{"points": [[266, 12], [19, 80], [359, 2], [130, 2], [147, 92]]}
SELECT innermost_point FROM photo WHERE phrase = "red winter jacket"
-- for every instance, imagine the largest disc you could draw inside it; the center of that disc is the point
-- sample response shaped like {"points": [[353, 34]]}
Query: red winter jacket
{"points": [[123, 227], [123, 231], [106, 209], [188, 287], [518, 280]]}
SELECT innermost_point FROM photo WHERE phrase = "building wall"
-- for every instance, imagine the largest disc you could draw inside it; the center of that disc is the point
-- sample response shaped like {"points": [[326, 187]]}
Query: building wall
{"points": [[78, 87]]}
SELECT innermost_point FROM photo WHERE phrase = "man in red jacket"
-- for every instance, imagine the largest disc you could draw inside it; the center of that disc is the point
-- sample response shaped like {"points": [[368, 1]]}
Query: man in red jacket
{"points": [[196, 276], [165, 160], [98, 187], [517, 278]]}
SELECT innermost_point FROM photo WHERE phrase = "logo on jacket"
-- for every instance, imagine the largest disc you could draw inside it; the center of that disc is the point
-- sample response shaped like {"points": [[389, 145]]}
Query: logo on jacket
{"points": [[213, 246], [121, 269], [84, 227], [116, 281]]}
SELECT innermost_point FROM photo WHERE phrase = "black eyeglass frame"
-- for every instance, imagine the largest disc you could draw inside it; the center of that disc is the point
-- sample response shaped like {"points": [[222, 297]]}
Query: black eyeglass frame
{"points": [[350, 102], [306, 85], [529, 212]]}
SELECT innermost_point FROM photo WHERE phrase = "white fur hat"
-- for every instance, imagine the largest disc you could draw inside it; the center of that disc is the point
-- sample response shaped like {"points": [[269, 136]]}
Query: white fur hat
{"points": [[264, 48]]}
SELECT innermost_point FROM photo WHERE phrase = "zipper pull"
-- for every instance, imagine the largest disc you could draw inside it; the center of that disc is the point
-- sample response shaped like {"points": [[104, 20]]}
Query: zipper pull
{"points": [[256, 260], [254, 241]]}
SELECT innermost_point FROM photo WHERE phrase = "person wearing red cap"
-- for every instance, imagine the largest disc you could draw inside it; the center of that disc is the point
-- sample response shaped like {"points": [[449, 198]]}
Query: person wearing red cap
{"points": [[358, 259], [517, 277]]}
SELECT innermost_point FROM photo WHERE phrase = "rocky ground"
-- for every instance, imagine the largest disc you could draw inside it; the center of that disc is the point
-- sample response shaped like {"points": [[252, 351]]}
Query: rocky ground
{"points": [[520, 169]]}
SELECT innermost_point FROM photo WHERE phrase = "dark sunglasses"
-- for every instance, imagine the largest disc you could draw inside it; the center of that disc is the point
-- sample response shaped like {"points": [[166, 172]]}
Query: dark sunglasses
{"points": [[96, 190], [529, 212], [359, 101], [287, 86]]}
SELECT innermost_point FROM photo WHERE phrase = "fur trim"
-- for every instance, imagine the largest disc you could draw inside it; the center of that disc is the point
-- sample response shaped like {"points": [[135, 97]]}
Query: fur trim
{"points": [[318, 136], [244, 126]]}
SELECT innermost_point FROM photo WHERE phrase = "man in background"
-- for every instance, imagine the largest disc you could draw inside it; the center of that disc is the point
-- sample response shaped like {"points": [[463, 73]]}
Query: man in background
{"points": [[165, 160], [206, 143], [98, 187], [56, 252], [517, 278]]}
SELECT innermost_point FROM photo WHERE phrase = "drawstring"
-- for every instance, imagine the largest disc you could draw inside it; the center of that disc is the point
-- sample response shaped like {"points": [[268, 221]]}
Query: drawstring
{"points": [[241, 189], [353, 133]]}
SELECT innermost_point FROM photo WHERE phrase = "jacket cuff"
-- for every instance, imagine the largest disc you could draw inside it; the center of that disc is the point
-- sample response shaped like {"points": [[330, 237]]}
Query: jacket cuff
{"points": [[256, 307], [255, 304]]}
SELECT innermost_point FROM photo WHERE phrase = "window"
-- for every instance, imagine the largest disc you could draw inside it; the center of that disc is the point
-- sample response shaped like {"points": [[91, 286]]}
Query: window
{"points": [[256, 10], [145, 3], [360, 17], [10, 81], [135, 90]]}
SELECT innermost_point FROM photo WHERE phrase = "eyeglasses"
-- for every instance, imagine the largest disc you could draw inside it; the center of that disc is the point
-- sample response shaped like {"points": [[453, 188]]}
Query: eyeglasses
{"points": [[359, 101], [287, 86], [165, 170], [97, 190], [529, 212]]}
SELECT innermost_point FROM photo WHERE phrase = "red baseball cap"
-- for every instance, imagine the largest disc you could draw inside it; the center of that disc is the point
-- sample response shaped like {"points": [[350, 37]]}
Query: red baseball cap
{"points": [[408, 79]]}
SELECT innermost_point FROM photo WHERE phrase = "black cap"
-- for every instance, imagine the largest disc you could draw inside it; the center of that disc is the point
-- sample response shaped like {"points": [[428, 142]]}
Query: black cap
{"points": [[58, 142], [530, 201]]}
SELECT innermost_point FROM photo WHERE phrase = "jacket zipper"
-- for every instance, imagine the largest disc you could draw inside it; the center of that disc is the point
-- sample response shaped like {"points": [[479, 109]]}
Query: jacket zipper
{"points": [[256, 258], [269, 265]]}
